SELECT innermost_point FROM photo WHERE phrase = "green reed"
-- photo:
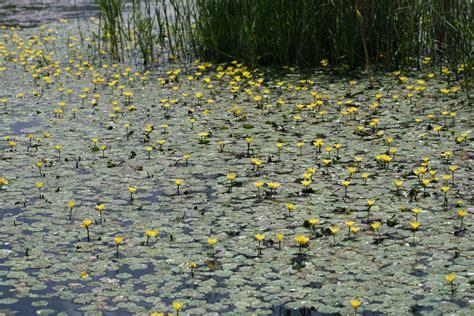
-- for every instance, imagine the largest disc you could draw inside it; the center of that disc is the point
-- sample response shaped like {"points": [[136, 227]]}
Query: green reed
{"points": [[351, 34]]}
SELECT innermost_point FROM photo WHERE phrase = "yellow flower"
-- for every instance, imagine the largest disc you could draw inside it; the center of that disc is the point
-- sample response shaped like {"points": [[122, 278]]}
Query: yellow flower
{"points": [[352, 170], [453, 168], [279, 236], [313, 221], [100, 207], [260, 237], [212, 241], [273, 185], [415, 225], [376, 225], [259, 184], [84, 274], [3, 181], [132, 189], [349, 223], [416, 210], [151, 232], [462, 213], [177, 306], [355, 230], [355, 303], [370, 203], [178, 182], [301, 240], [71, 204], [346, 183], [398, 183], [451, 277], [231, 176], [290, 206], [86, 223], [334, 229], [118, 240], [39, 184]]}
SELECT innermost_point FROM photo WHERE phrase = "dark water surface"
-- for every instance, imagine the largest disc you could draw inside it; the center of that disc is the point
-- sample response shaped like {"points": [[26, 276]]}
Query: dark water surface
{"points": [[29, 13]]}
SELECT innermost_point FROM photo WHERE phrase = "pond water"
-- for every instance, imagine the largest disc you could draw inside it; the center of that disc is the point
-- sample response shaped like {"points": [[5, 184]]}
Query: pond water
{"points": [[29, 13], [122, 144]]}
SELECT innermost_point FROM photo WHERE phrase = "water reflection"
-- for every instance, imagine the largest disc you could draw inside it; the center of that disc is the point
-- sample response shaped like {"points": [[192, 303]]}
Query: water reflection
{"points": [[29, 13]]}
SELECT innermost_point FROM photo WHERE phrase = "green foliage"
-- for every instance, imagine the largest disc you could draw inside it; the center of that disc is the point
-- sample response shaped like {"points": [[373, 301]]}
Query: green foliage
{"points": [[294, 32]]}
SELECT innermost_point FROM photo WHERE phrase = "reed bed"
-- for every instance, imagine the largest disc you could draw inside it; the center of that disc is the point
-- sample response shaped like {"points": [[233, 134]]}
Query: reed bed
{"points": [[348, 34]]}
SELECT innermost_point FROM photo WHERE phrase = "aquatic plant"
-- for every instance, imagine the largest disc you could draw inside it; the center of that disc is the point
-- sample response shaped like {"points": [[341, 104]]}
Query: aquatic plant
{"points": [[376, 227], [177, 307], [118, 240], [132, 190], [279, 237], [259, 238], [370, 203], [461, 214], [334, 230], [450, 278], [302, 241], [414, 227], [231, 177], [71, 204], [355, 303], [40, 185], [86, 223], [178, 183]]}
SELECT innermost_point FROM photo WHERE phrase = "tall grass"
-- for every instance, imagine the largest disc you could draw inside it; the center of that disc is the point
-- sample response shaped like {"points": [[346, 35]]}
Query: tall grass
{"points": [[388, 33], [111, 27]]}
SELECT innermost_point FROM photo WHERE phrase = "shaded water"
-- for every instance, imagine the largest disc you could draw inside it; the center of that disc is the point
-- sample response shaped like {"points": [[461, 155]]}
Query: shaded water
{"points": [[29, 13]]}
